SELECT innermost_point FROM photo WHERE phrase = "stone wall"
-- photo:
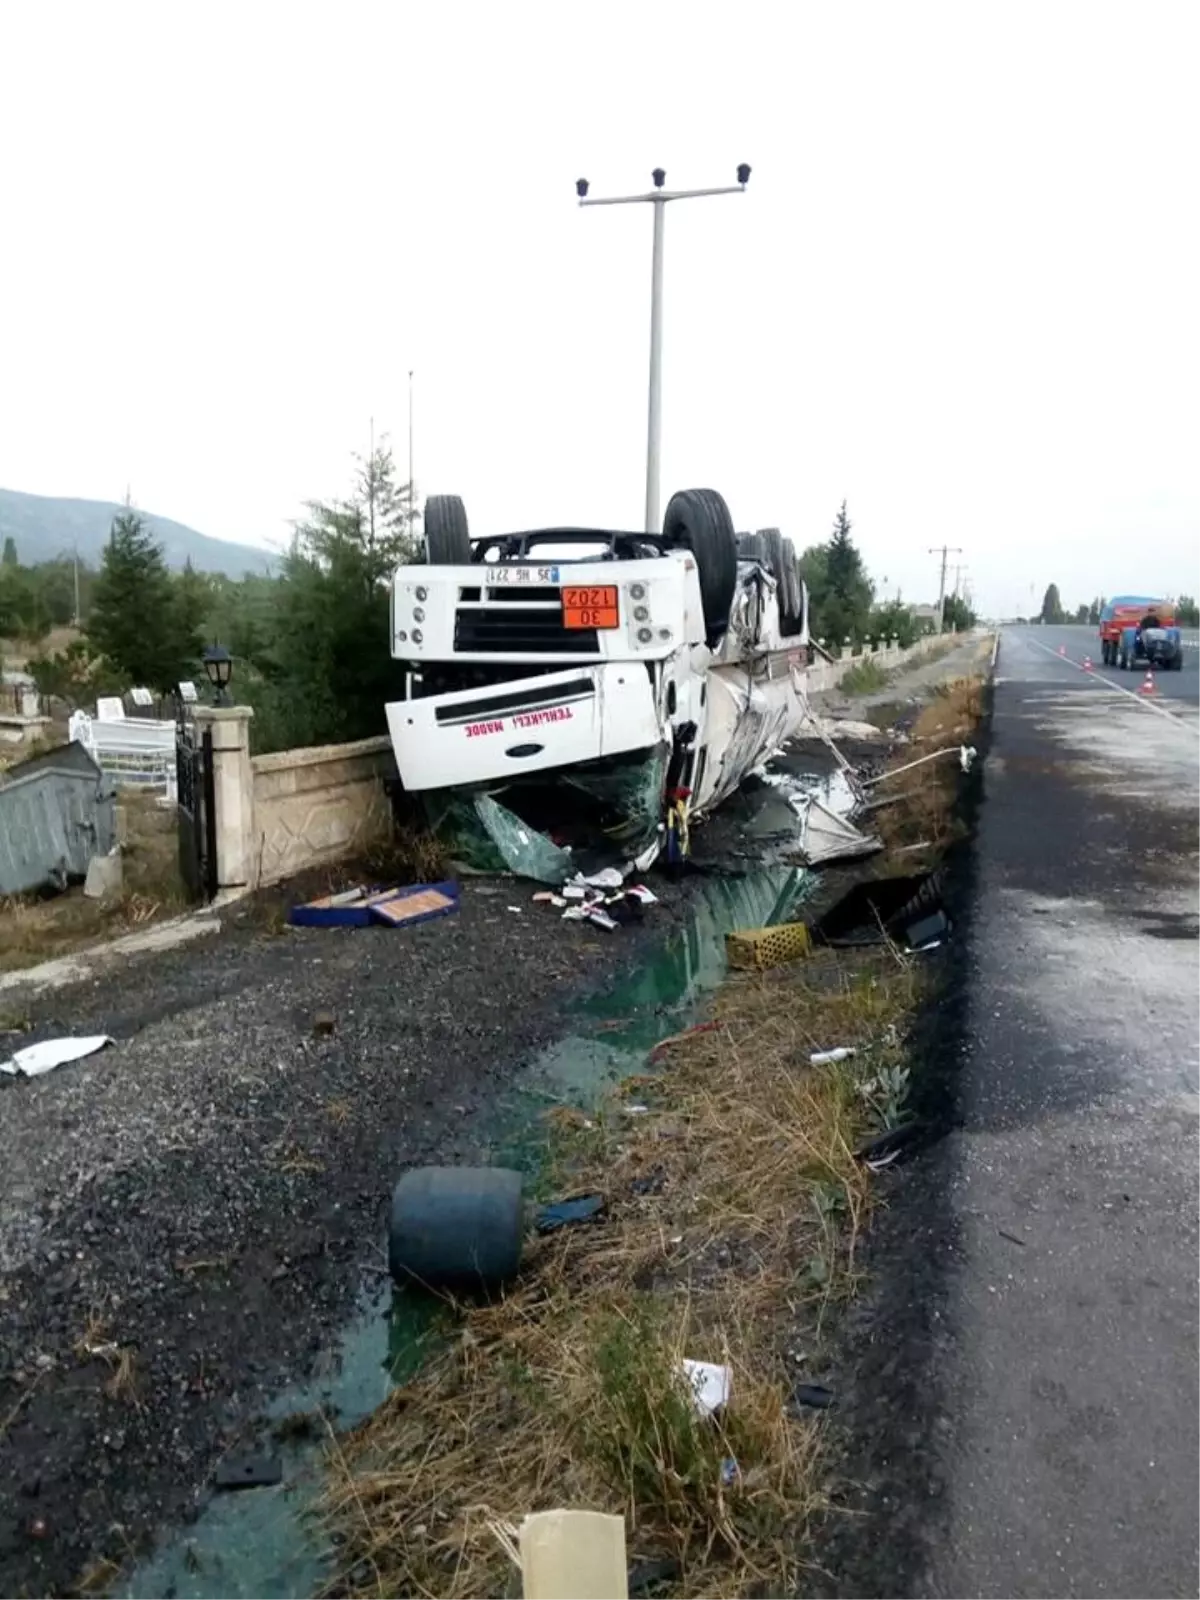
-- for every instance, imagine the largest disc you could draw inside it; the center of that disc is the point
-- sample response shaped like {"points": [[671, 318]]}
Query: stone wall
{"points": [[319, 804]]}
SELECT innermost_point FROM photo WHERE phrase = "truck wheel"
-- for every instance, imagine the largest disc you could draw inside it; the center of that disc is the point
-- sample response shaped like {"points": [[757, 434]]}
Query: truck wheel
{"points": [[447, 541], [698, 520], [781, 558], [456, 1227]]}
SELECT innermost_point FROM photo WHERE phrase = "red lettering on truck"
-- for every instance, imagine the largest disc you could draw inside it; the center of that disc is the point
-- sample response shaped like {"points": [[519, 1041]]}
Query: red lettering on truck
{"points": [[476, 729]]}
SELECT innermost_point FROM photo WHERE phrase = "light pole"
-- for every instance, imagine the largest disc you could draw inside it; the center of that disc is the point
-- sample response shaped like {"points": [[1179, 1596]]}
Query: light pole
{"points": [[658, 198]]}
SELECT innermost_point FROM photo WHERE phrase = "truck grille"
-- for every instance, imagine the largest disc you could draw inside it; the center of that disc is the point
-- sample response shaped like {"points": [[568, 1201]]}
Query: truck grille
{"points": [[506, 626]]}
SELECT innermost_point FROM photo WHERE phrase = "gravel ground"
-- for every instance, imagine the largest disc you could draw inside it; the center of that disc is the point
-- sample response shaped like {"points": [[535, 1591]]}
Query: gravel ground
{"points": [[210, 1193], [222, 1130]]}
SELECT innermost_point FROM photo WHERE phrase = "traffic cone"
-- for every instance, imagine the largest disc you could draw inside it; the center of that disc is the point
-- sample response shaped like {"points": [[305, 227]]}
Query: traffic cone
{"points": [[1062, 649], [1148, 683], [1087, 663]]}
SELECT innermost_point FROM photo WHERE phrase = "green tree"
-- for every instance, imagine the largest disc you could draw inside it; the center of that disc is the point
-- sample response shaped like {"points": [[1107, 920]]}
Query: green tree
{"points": [[1052, 610], [326, 671], [192, 602], [1187, 612], [9, 558], [134, 622], [957, 615], [846, 602], [1094, 610], [1082, 612], [894, 621]]}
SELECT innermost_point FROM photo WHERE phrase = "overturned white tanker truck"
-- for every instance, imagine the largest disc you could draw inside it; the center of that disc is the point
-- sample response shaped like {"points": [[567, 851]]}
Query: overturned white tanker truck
{"points": [[568, 686]]}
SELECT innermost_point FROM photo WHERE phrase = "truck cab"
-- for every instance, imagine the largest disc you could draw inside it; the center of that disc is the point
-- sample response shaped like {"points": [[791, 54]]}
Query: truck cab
{"points": [[568, 652]]}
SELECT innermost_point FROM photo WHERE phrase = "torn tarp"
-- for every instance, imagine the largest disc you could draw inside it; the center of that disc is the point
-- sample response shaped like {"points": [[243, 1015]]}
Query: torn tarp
{"points": [[825, 836]]}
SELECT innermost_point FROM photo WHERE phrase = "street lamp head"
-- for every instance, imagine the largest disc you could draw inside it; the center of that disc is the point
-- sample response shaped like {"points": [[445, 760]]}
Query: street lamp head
{"points": [[218, 666], [581, 188], [743, 173], [659, 177]]}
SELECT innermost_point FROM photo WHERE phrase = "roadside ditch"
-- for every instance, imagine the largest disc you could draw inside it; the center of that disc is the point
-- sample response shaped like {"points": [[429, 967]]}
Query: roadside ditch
{"points": [[732, 1228]]}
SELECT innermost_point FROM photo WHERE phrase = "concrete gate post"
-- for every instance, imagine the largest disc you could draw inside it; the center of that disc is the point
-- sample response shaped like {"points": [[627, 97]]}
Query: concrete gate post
{"points": [[233, 791]]}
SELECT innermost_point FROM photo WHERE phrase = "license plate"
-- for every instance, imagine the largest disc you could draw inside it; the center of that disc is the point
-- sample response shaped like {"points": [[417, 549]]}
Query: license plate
{"points": [[499, 574], [594, 606]]}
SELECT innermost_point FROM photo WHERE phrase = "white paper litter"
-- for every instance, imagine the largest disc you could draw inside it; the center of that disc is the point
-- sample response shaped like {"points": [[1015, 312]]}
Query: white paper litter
{"points": [[710, 1384], [600, 917], [639, 891], [823, 1058], [37, 1059], [606, 878]]}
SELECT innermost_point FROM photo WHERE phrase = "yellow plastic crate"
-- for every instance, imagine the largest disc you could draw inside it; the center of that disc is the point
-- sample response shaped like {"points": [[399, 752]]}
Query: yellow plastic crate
{"points": [[759, 948]]}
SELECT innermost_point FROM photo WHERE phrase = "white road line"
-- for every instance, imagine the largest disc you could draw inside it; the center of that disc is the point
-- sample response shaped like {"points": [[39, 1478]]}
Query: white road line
{"points": [[1107, 683]]}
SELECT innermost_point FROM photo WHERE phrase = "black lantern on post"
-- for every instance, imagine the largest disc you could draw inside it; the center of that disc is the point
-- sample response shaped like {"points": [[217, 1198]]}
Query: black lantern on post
{"points": [[218, 664]]}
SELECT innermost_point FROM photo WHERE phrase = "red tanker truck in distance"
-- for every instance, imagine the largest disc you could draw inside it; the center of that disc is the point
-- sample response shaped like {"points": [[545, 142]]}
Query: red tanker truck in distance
{"points": [[1136, 629]]}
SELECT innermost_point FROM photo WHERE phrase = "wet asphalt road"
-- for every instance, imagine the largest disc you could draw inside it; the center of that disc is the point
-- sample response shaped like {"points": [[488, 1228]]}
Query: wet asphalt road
{"points": [[1021, 1376], [1178, 689]]}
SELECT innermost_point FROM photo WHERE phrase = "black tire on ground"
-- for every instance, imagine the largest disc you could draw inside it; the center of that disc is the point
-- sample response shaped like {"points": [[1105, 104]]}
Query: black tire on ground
{"points": [[1104, 652], [456, 1227], [1123, 659], [447, 541], [781, 558], [698, 520]]}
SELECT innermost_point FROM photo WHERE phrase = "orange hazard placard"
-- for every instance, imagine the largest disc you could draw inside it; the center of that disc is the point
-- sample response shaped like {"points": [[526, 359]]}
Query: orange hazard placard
{"points": [[592, 607]]}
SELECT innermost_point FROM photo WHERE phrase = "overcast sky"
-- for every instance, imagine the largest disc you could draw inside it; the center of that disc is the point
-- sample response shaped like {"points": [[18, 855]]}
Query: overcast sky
{"points": [[960, 292]]}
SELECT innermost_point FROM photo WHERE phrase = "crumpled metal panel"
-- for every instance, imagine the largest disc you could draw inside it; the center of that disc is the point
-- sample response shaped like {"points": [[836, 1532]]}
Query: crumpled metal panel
{"points": [[56, 813]]}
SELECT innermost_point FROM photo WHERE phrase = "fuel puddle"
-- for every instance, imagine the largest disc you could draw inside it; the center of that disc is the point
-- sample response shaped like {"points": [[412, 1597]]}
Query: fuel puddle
{"points": [[261, 1542]]}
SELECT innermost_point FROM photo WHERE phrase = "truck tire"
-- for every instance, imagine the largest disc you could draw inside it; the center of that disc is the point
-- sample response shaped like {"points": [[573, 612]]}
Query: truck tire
{"points": [[781, 559], [698, 520], [456, 1227], [796, 613], [447, 541]]}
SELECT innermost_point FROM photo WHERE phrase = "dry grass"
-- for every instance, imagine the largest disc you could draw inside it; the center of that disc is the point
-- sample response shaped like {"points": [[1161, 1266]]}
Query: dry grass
{"points": [[35, 928], [921, 808], [734, 1209]]}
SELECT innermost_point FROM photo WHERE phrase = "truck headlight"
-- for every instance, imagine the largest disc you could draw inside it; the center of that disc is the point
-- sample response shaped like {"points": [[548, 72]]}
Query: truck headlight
{"points": [[417, 636], [401, 636], [422, 592], [641, 613], [418, 614], [637, 591], [644, 635]]}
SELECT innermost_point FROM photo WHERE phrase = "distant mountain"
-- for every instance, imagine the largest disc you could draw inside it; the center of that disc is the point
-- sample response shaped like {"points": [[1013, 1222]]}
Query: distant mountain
{"points": [[44, 528]]}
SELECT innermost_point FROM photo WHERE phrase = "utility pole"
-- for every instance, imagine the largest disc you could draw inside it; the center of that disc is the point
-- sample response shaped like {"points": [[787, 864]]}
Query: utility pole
{"points": [[412, 488], [658, 198], [75, 563], [946, 551]]}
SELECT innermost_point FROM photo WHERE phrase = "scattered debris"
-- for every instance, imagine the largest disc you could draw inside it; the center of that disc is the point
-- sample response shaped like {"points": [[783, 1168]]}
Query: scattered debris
{"points": [[566, 1213], [1011, 1237], [825, 837], [966, 755], [645, 1575], [576, 1553], [323, 1024], [889, 1141], [360, 907], [824, 1058], [248, 1472], [928, 932], [815, 1395], [677, 1038], [759, 948], [710, 1384], [879, 909], [37, 1059], [730, 1471], [105, 876]]}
